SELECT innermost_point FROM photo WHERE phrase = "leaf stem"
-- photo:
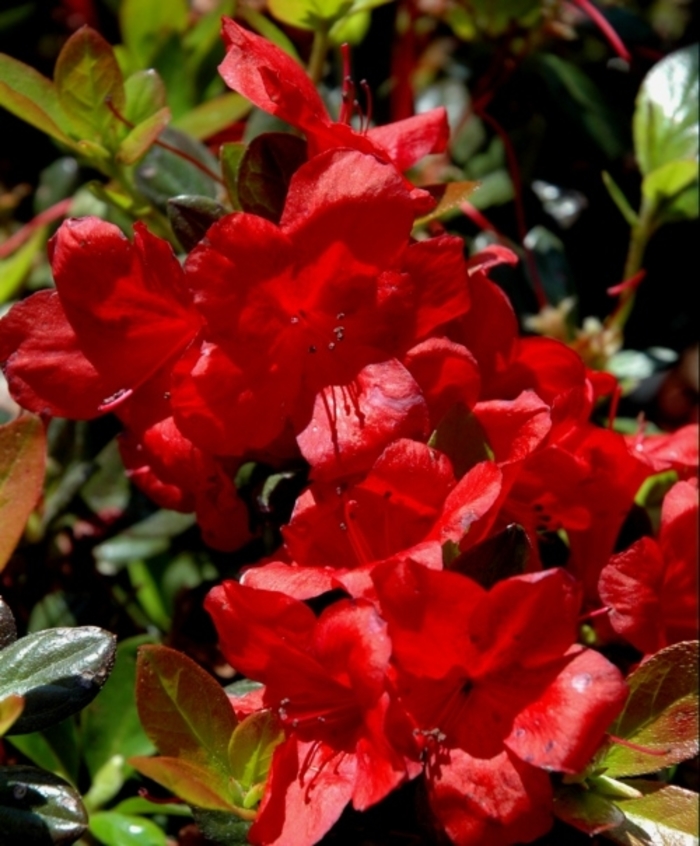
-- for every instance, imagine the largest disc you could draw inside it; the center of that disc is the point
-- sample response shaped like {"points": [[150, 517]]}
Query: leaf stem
{"points": [[319, 50]]}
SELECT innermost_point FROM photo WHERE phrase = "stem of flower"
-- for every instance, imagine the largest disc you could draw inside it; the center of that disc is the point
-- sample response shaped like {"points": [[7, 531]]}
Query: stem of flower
{"points": [[319, 49], [58, 210]]}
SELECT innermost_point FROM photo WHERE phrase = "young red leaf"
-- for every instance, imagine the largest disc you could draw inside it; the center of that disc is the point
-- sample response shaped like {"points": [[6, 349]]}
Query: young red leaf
{"points": [[22, 460], [32, 97], [197, 785], [250, 753], [88, 79], [184, 711], [661, 715]]}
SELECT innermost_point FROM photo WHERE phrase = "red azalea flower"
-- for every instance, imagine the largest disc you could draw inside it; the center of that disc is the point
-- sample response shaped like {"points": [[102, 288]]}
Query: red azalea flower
{"points": [[327, 680], [278, 85], [652, 587], [293, 309], [407, 506], [496, 675]]}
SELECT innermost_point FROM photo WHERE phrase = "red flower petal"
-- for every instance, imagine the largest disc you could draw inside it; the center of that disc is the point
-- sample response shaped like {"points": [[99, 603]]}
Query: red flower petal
{"points": [[406, 141]]}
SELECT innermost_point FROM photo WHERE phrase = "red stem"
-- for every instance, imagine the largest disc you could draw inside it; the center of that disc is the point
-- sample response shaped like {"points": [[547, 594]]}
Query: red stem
{"points": [[59, 209], [606, 29]]}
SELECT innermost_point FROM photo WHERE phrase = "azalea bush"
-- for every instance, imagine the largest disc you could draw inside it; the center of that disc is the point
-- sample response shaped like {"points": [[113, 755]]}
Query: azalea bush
{"points": [[395, 527]]}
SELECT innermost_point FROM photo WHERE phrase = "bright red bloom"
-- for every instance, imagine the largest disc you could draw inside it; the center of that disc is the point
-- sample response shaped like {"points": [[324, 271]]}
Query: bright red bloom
{"points": [[293, 309], [327, 680], [496, 672], [408, 505], [274, 82], [652, 587], [107, 339]]}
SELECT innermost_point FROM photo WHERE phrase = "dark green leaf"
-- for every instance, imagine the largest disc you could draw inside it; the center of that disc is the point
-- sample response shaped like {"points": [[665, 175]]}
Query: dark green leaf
{"points": [[552, 265], [142, 540], [231, 156], [32, 97], [8, 628], [22, 461], [461, 437], [191, 216], [55, 749], [665, 815], [496, 558], [184, 711], [661, 715], [114, 829], [163, 174], [56, 182], [666, 116], [111, 725], [88, 78], [265, 171], [58, 671], [585, 810], [223, 828], [38, 808]]}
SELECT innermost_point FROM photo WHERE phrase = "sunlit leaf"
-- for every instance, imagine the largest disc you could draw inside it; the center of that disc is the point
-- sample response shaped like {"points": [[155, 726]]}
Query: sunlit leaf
{"points": [[33, 98], [251, 748], [115, 829], [666, 815], [15, 269], [448, 197], [22, 461], [39, 808], [665, 121], [142, 136], [145, 95], [198, 785], [88, 79], [183, 710], [661, 715], [58, 671]]}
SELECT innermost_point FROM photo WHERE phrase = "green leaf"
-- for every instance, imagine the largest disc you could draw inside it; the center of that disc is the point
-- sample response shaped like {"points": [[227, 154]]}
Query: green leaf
{"points": [[198, 785], [8, 627], [139, 805], [213, 116], [142, 136], [142, 540], [265, 171], [54, 749], [147, 24], [56, 182], [461, 437], [661, 715], [58, 671], [33, 98], [190, 217], [204, 37], [250, 751], [665, 123], [22, 461], [10, 709], [15, 269], [496, 558], [39, 808], [307, 14], [115, 829], [163, 174], [670, 179], [145, 95], [87, 79], [110, 725], [230, 157], [665, 815], [184, 711], [585, 810]]}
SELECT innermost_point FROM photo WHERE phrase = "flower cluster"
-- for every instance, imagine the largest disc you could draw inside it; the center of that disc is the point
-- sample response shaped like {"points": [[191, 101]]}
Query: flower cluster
{"points": [[394, 367]]}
